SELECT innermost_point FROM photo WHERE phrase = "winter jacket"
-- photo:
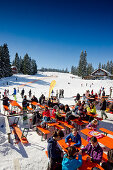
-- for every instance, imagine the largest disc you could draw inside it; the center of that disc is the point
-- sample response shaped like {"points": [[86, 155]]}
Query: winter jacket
{"points": [[5, 101], [107, 165], [54, 151], [103, 105], [76, 139], [46, 113], [14, 92], [93, 110], [94, 152], [72, 163], [53, 113], [34, 99]]}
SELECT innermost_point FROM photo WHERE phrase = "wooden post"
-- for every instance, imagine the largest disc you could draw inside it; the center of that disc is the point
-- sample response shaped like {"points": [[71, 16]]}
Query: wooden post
{"points": [[8, 131]]}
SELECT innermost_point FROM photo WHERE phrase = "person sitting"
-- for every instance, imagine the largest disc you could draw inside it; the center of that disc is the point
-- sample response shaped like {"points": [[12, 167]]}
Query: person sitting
{"points": [[53, 115], [34, 99], [61, 108], [46, 117], [75, 137], [75, 110], [93, 125], [59, 116], [69, 160], [5, 100], [109, 164], [67, 109], [94, 150], [92, 110], [54, 152]]}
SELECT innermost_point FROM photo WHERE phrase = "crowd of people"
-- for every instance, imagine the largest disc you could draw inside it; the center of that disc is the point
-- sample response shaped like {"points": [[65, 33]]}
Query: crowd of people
{"points": [[59, 160], [84, 109]]}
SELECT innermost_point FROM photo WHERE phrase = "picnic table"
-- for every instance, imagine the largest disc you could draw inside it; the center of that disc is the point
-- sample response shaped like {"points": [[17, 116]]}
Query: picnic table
{"points": [[86, 165], [105, 140]]}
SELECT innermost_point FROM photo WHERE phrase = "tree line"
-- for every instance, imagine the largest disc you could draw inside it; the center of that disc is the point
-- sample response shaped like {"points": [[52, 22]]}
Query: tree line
{"points": [[85, 69], [25, 65], [54, 70]]}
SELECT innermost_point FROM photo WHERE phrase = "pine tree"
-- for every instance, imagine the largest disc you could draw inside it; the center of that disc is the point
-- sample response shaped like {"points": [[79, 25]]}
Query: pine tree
{"points": [[26, 65], [6, 61], [72, 70], [1, 63], [90, 69], [99, 66], [111, 67], [17, 62], [108, 66], [82, 67]]}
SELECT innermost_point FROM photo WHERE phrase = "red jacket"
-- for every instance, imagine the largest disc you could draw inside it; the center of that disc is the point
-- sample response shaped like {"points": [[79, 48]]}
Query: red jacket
{"points": [[46, 113], [53, 113]]}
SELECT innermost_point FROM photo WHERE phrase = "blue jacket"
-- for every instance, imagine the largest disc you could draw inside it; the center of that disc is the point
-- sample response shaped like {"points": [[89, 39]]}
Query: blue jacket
{"points": [[53, 149], [14, 92], [76, 139], [72, 163]]}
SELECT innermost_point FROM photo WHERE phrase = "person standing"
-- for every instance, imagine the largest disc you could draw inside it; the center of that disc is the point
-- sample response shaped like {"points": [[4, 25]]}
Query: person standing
{"points": [[54, 152], [22, 93], [29, 93], [14, 94], [103, 108]]}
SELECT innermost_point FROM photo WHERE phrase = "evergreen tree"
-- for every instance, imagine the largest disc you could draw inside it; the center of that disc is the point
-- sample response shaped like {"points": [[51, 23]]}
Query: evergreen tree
{"points": [[82, 67], [108, 66], [99, 66], [1, 63], [90, 69], [26, 65], [17, 62], [33, 67], [111, 67], [6, 61]]}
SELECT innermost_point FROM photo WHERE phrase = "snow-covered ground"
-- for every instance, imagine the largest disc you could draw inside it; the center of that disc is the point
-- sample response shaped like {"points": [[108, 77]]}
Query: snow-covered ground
{"points": [[32, 156]]}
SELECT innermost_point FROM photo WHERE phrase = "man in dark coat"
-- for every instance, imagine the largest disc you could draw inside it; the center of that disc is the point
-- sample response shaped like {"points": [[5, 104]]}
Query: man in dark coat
{"points": [[103, 108]]}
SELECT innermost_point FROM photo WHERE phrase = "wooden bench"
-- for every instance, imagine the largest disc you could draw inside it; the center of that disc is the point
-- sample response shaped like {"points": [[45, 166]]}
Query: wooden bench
{"points": [[29, 108], [8, 130], [59, 127], [20, 135], [68, 127], [106, 131], [43, 131]]}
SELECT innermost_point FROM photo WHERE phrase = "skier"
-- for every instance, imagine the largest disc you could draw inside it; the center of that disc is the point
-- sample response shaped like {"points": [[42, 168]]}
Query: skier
{"points": [[29, 93], [14, 94]]}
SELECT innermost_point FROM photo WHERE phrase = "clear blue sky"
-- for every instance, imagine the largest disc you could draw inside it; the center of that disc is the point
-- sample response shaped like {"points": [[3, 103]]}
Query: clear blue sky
{"points": [[53, 32]]}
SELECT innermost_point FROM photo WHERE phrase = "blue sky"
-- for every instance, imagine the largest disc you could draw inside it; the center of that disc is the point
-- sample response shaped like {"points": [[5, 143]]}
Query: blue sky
{"points": [[54, 32]]}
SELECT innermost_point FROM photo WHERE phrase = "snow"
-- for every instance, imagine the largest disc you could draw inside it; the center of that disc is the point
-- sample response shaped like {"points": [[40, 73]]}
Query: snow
{"points": [[32, 156]]}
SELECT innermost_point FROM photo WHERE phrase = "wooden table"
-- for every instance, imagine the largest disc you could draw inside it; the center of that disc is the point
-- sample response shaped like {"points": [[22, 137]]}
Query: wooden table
{"points": [[105, 140], [88, 165]]}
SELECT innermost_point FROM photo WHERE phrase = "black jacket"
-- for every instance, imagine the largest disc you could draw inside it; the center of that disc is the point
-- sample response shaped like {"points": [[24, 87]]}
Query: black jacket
{"points": [[53, 149], [5, 101], [103, 105]]}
